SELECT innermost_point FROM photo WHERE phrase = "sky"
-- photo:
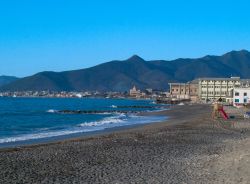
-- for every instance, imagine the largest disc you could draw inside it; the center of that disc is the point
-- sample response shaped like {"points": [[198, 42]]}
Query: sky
{"points": [[59, 35]]}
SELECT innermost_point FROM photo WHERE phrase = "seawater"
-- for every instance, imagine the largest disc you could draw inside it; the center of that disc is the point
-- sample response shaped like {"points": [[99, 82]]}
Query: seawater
{"points": [[29, 119]]}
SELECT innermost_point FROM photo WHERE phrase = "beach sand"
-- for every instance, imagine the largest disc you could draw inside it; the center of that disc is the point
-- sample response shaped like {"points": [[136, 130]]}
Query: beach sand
{"points": [[188, 148]]}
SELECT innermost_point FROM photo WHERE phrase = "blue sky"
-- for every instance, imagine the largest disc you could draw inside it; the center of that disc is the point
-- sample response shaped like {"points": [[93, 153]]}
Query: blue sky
{"points": [[58, 35]]}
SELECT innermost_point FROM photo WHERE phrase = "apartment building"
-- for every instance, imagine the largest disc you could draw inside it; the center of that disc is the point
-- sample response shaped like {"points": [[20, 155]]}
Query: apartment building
{"points": [[215, 88]]}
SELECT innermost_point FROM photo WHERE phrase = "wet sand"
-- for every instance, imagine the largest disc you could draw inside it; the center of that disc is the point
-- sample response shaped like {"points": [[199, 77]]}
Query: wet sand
{"points": [[188, 148]]}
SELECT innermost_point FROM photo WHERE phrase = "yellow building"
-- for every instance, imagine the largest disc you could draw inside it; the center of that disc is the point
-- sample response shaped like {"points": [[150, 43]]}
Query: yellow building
{"points": [[134, 92], [187, 90]]}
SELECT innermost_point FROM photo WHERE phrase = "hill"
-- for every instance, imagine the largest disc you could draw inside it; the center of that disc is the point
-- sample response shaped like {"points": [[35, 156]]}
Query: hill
{"points": [[7, 79], [121, 75]]}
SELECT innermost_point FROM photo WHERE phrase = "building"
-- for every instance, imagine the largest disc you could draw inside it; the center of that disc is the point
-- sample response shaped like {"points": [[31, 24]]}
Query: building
{"points": [[208, 89], [211, 89], [184, 90], [241, 96], [136, 93]]}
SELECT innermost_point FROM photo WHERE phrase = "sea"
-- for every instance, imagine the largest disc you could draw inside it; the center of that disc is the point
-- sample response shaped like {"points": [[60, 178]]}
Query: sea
{"points": [[38, 120]]}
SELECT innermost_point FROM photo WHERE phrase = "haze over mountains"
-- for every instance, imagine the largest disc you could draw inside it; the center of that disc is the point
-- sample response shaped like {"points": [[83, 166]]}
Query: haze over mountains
{"points": [[122, 75]]}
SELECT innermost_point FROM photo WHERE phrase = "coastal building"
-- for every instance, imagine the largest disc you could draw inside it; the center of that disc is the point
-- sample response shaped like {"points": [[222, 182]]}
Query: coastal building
{"points": [[241, 96], [211, 89], [136, 93], [208, 89], [187, 90]]}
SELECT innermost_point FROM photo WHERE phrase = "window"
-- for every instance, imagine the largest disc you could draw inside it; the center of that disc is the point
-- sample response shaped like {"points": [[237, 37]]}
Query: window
{"points": [[176, 89], [236, 94], [245, 94], [236, 100]]}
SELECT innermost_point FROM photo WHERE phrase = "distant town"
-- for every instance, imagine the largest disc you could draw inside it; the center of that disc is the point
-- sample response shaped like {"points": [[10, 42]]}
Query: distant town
{"points": [[233, 90], [133, 93]]}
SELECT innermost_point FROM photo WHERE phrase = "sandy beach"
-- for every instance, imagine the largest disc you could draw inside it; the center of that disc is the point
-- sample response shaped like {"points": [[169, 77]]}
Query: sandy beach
{"points": [[189, 147]]}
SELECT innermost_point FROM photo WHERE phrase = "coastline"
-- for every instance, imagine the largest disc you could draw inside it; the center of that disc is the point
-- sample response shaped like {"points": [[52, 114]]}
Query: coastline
{"points": [[95, 125], [186, 148], [168, 114], [72, 136]]}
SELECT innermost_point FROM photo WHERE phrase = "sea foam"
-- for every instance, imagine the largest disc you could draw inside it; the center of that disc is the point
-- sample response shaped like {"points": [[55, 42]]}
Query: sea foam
{"points": [[108, 120], [51, 111], [82, 128]]}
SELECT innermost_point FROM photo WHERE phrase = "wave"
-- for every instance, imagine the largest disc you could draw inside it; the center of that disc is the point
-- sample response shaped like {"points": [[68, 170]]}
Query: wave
{"points": [[60, 112], [52, 111], [158, 110], [105, 113], [39, 136], [82, 128], [113, 106], [82, 112], [108, 120]]}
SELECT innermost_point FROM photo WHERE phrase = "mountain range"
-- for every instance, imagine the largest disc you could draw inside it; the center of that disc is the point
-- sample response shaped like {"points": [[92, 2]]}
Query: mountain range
{"points": [[122, 75], [7, 79]]}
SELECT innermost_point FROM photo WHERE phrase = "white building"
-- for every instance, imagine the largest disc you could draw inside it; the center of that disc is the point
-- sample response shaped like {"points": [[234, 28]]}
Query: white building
{"points": [[241, 96], [215, 88]]}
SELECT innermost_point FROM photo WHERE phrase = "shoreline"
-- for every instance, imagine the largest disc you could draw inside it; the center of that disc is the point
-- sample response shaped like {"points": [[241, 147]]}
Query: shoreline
{"points": [[166, 113], [82, 135], [170, 114], [187, 148]]}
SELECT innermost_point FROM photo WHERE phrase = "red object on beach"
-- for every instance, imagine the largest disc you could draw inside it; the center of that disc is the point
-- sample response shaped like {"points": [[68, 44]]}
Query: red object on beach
{"points": [[223, 113]]}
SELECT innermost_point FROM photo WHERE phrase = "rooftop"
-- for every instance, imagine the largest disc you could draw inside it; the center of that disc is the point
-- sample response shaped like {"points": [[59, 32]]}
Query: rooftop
{"points": [[225, 79]]}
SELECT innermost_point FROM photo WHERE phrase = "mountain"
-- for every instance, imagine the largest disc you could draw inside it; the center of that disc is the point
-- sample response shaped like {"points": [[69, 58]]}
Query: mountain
{"points": [[122, 75], [6, 80]]}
